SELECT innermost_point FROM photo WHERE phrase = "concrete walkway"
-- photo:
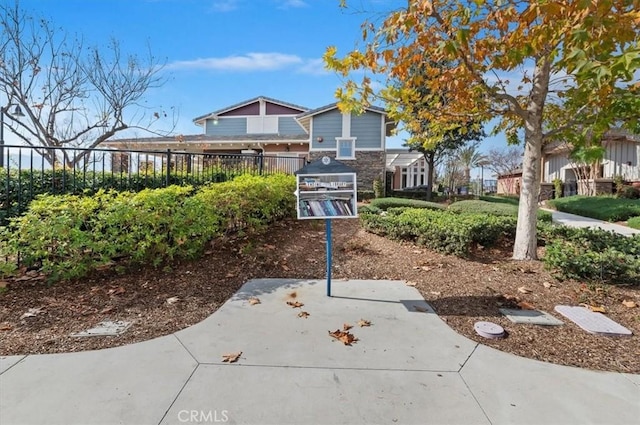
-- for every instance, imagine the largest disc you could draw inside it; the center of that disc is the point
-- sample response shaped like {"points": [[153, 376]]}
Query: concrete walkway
{"points": [[408, 367], [573, 220]]}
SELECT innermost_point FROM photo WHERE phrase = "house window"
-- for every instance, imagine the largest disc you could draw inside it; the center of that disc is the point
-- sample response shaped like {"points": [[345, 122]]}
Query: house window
{"points": [[346, 148]]}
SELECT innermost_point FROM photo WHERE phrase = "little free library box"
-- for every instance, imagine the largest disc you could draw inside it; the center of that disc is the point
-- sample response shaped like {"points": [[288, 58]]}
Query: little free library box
{"points": [[326, 188]]}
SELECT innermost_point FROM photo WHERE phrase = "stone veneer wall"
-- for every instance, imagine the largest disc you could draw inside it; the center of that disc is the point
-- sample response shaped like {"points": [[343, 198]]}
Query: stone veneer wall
{"points": [[369, 165]]}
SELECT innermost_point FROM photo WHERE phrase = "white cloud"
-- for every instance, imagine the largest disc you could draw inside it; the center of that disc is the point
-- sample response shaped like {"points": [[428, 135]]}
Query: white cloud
{"points": [[224, 5], [286, 4], [248, 62], [313, 67]]}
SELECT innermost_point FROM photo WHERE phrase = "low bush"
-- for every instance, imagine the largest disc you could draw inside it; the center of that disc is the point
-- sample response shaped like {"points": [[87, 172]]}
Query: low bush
{"points": [[591, 254], [607, 208], [385, 203], [441, 231], [634, 222], [492, 208], [628, 192], [68, 236]]}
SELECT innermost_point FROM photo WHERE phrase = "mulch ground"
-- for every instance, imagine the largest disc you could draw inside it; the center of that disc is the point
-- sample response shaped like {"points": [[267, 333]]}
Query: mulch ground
{"points": [[462, 291]]}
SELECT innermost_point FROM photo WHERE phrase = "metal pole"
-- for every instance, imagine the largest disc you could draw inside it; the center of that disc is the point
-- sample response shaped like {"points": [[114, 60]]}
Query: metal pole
{"points": [[1, 136], [329, 255]]}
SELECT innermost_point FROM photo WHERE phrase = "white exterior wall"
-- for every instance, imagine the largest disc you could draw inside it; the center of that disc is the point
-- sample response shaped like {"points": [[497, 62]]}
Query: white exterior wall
{"points": [[621, 159]]}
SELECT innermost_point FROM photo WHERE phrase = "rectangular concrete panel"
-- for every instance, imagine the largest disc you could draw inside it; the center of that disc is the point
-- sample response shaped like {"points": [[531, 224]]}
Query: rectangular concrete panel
{"points": [[7, 362], [402, 335], [134, 384], [595, 323], [513, 390], [530, 317], [281, 395]]}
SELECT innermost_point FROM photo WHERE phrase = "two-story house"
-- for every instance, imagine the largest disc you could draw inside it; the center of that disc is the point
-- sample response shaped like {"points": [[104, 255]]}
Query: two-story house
{"points": [[282, 130]]}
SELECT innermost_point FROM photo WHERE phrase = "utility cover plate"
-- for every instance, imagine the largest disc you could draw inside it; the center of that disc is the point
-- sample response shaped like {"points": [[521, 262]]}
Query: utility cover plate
{"points": [[530, 317], [107, 328], [489, 330], [595, 323]]}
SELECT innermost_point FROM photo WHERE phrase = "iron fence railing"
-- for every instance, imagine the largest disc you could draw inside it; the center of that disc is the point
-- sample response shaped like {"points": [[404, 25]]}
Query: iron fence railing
{"points": [[30, 171]]}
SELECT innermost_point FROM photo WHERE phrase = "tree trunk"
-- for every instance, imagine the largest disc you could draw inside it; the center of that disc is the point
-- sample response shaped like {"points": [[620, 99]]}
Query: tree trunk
{"points": [[526, 243], [430, 160]]}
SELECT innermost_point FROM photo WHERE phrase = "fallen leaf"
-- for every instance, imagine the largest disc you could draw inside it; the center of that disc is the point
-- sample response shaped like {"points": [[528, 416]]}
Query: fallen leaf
{"points": [[436, 293], [230, 275], [346, 338], [417, 251], [595, 308], [107, 310], [303, 314], [495, 269], [254, 301], [285, 267], [231, 357], [411, 283], [346, 326], [548, 285], [172, 300], [32, 312], [362, 323], [526, 306], [416, 267], [295, 304], [5, 327], [269, 246], [293, 294], [426, 268], [420, 309], [116, 290], [629, 304], [524, 290]]}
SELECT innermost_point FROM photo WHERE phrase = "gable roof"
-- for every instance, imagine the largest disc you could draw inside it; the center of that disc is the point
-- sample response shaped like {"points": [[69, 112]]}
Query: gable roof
{"points": [[305, 118], [213, 114]]}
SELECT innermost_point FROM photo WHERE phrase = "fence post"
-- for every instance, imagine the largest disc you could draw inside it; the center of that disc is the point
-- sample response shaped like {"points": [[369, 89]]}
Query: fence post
{"points": [[168, 179], [260, 163]]}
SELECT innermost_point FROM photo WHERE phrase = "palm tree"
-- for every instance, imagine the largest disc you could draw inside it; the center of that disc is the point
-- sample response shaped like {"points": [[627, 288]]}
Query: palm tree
{"points": [[469, 157]]}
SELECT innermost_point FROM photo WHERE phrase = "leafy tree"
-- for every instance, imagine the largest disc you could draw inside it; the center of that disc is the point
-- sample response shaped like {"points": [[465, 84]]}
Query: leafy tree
{"points": [[571, 52], [469, 157], [70, 95]]}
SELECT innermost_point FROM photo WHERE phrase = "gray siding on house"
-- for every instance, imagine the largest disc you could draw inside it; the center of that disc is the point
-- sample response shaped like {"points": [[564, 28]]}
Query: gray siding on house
{"points": [[621, 159], [289, 126], [367, 128], [327, 125], [227, 127]]}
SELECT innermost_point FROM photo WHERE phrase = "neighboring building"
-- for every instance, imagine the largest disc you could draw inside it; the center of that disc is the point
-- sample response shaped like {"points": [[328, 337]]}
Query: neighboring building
{"points": [[409, 168], [276, 128], [509, 183], [621, 159]]}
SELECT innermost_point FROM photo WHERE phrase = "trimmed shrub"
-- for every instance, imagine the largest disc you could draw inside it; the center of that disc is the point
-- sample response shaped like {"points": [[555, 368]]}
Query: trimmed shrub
{"points": [[68, 236], [365, 195], [634, 222], [385, 203], [492, 208], [607, 208], [628, 192], [441, 231]]}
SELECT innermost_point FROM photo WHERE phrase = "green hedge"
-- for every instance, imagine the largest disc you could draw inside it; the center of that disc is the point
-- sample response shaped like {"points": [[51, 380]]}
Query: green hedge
{"points": [[634, 222], [493, 208], [592, 254], [441, 231], [607, 208], [19, 188], [68, 236], [386, 203]]}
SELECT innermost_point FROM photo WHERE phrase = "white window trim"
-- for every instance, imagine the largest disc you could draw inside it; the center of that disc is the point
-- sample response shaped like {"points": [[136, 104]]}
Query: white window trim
{"points": [[353, 144]]}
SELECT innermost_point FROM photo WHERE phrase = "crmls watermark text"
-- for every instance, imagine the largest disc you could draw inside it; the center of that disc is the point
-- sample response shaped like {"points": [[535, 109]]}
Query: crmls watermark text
{"points": [[203, 416]]}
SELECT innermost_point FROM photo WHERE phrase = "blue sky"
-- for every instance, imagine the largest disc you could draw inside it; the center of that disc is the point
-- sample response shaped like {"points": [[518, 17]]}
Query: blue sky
{"points": [[220, 52]]}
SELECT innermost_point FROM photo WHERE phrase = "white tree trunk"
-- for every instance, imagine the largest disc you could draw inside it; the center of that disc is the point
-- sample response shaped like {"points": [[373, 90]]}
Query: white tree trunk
{"points": [[526, 243]]}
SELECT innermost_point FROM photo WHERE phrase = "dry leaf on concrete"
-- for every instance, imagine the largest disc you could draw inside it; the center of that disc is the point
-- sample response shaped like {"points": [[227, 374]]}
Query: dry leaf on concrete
{"points": [[346, 338], [408, 283], [295, 304], [595, 308], [346, 326], [362, 323], [254, 301], [231, 357], [303, 314]]}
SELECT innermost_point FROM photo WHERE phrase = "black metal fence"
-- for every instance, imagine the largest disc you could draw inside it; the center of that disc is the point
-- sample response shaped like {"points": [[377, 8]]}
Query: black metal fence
{"points": [[30, 171]]}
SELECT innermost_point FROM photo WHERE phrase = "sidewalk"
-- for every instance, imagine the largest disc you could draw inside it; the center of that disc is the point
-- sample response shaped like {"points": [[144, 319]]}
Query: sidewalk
{"points": [[408, 367], [573, 220]]}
